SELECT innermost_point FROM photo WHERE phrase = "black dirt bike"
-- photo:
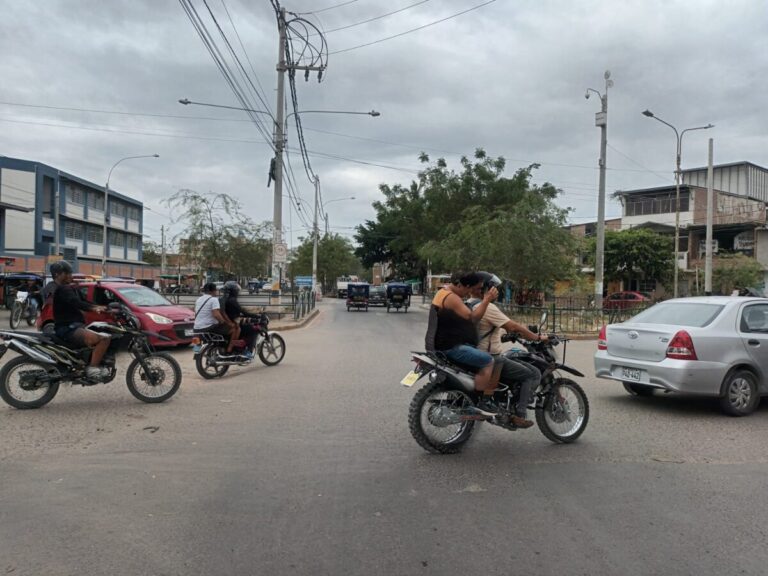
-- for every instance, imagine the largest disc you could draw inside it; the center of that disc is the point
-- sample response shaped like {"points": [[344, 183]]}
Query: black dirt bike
{"points": [[32, 379], [213, 361], [442, 414]]}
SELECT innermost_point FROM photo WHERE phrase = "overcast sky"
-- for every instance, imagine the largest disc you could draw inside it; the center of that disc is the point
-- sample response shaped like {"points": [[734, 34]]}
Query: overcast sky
{"points": [[509, 76]]}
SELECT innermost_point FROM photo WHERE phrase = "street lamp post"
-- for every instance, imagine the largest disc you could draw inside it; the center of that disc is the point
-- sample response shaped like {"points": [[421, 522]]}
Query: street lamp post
{"points": [[601, 120], [105, 239], [316, 229], [679, 136], [280, 127]]}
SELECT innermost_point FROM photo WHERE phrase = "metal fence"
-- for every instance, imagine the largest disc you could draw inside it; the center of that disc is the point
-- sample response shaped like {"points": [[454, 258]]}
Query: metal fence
{"points": [[303, 303], [568, 319]]}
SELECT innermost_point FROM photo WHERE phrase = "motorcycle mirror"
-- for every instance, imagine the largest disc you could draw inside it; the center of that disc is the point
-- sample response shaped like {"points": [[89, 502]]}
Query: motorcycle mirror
{"points": [[114, 306], [543, 320]]}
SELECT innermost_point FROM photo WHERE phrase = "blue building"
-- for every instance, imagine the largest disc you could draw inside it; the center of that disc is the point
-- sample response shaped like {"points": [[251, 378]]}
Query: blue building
{"points": [[39, 203]]}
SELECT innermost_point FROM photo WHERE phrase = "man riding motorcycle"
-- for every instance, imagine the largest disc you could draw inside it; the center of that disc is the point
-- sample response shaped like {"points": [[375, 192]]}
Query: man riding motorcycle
{"points": [[69, 322], [209, 316], [490, 341], [235, 312]]}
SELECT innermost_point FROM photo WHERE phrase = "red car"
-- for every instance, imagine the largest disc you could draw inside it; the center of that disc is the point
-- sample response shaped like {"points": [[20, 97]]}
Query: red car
{"points": [[155, 313], [624, 300]]}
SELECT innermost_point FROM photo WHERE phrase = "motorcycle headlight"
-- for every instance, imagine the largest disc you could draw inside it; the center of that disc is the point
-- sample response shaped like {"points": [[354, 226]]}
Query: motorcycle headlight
{"points": [[158, 319]]}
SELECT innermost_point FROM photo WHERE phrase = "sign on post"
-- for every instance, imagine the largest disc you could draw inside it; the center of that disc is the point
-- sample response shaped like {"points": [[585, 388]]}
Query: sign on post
{"points": [[280, 253], [303, 281]]}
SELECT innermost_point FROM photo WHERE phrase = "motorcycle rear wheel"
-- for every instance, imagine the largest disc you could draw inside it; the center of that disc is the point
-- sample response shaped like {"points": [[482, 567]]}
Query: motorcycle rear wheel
{"points": [[11, 391], [16, 311], [205, 363], [272, 352], [565, 413], [432, 397], [166, 372]]}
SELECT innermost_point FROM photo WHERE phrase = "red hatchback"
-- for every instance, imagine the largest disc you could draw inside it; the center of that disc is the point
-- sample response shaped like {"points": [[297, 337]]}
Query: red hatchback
{"points": [[624, 300], [155, 313]]}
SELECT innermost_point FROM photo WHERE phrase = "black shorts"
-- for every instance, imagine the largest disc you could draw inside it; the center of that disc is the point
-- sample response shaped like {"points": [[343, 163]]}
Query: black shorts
{"points": [[68, 333]]}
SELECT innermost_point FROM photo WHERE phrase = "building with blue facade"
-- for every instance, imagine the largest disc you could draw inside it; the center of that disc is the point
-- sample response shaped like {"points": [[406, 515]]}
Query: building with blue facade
{"points": [[45, 212]]}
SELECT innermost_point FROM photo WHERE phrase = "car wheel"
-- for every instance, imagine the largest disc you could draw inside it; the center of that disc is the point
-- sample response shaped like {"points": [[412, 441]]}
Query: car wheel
{"points": [[638, 389], [740, 395]]}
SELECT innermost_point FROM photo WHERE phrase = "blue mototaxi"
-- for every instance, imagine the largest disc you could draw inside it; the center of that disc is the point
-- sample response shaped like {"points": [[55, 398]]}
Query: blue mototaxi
{"points": [[398, 296], [357, 295]]}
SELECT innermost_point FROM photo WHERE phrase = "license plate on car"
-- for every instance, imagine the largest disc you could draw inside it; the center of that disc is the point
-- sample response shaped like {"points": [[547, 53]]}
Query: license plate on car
{"points": [[410, 378], [189, 332], [630, 373]]}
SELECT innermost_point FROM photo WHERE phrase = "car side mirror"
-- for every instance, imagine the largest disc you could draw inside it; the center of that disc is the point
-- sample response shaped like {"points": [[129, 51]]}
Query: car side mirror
{"points": [[115, 306]]}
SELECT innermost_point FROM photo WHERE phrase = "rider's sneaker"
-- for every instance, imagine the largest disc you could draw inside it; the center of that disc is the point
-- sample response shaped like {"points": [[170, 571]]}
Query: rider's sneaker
{"points": [[487, 407], [248, 354], [94, 372]]}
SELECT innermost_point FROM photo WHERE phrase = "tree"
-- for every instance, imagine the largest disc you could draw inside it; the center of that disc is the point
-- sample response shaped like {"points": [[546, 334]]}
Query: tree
{"points": [[218, 236], [736, 271], [476, 218], [635, 254], [335, 257], [151, 252]]}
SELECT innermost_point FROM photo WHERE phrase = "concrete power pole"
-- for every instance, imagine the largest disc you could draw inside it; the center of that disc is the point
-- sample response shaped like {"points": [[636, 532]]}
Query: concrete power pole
{"points": [[278, 249], [162, 249], [601, 120], [710, 203], [316, 234]]}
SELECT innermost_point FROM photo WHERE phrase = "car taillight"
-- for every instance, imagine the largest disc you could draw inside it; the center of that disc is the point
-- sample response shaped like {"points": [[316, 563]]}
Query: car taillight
{"points": [[681, 347], [602, 339]]}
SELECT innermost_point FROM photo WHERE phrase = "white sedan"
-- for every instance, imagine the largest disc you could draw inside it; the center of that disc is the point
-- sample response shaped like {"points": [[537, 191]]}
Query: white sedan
{"points": [[712, 346]]}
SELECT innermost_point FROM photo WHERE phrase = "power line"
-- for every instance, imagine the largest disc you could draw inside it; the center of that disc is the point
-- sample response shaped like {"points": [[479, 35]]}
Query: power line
{"points": [[375, 18], [414, 29], [329, 7]]}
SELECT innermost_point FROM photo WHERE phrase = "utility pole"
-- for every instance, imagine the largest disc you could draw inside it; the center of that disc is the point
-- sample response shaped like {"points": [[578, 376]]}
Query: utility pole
{"points": [[601, 120], [278, 249], [162, 249], [316, 234], [710, 203]]}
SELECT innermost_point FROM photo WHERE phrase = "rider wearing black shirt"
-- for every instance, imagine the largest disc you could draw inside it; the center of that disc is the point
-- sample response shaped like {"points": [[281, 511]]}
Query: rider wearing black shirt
{"points": [[234, 311]]}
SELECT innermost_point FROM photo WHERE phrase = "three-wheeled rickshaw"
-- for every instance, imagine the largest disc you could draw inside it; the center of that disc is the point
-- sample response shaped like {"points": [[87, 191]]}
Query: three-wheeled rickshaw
{"points": [[398, 296], [357, 295]]}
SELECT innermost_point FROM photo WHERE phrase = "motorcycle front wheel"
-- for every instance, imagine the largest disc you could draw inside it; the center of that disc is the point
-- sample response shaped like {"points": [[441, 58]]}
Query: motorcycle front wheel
{"points": [[205, 361], [16, 311], [433, 419], [272, 349], [565, 412], [20, 386], [161, 383]]}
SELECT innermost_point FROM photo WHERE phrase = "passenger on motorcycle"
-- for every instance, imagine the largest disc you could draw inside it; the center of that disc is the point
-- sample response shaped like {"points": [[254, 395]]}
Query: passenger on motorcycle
{"points": [[493, 320], [210, 318], [452, 331], [33, 297], [69, 322], [235, 312]]}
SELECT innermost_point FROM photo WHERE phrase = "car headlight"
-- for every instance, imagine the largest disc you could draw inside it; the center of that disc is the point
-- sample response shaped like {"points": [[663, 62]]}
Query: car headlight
{"points": [[159, 319]]}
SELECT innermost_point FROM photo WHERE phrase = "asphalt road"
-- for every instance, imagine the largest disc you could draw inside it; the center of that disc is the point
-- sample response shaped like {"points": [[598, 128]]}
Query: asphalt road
{"points": [[308, 468]]}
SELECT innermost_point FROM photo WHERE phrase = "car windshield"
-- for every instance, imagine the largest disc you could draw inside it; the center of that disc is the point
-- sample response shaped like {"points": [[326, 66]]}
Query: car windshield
{"points": [[141, 296], [692, 314]]}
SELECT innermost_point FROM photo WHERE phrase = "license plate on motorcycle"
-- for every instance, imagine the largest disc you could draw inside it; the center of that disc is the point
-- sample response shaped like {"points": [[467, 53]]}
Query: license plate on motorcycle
{"points": [[630, 373], [410, 378], [189, 332]]}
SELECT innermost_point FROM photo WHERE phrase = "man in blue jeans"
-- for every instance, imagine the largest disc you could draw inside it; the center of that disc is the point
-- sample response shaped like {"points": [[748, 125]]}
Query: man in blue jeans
{"points": [[452, 331]]}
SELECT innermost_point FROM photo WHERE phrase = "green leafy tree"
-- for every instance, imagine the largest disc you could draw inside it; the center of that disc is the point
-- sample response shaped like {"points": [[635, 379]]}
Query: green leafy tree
{"points": [[635, 254], [736, 271], [151, 252], [217, 235], [335, 257], [475, 218]]}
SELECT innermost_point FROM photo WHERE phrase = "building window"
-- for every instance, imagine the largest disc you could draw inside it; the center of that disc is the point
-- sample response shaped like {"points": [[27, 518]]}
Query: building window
{"points": [[134, 213], [133, 242], [48, 197], [96, 200], [73, 230], [95, 234], [656, 204], [117, 208], [75, 194], [116, 238]]}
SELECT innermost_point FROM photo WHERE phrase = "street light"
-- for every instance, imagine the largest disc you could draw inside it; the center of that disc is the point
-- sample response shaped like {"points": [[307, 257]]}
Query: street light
{"points": [[679, 136], [278, 144], [105, 240]]}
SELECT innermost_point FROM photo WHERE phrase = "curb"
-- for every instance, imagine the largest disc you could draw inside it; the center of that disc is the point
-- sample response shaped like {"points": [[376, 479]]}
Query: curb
{"points": [[301, 324]]}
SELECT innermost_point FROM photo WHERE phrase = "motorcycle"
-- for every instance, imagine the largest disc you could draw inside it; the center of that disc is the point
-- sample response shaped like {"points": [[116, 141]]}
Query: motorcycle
{"points": [[213, 361], [442, 414], [21, 309], [32, 379]]}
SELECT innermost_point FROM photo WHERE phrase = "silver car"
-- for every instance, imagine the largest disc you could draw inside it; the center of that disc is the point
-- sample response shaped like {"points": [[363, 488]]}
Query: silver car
{"points": [[712, 346]]}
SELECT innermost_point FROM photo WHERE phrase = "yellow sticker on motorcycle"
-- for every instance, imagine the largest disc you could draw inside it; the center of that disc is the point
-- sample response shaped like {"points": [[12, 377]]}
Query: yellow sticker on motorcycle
{"points": [[410, 378]]}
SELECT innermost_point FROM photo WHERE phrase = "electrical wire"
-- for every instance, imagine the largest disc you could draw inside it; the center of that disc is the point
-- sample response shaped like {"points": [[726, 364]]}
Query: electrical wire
{"points": [[374, 18], [413, 29], [330, 7]]}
